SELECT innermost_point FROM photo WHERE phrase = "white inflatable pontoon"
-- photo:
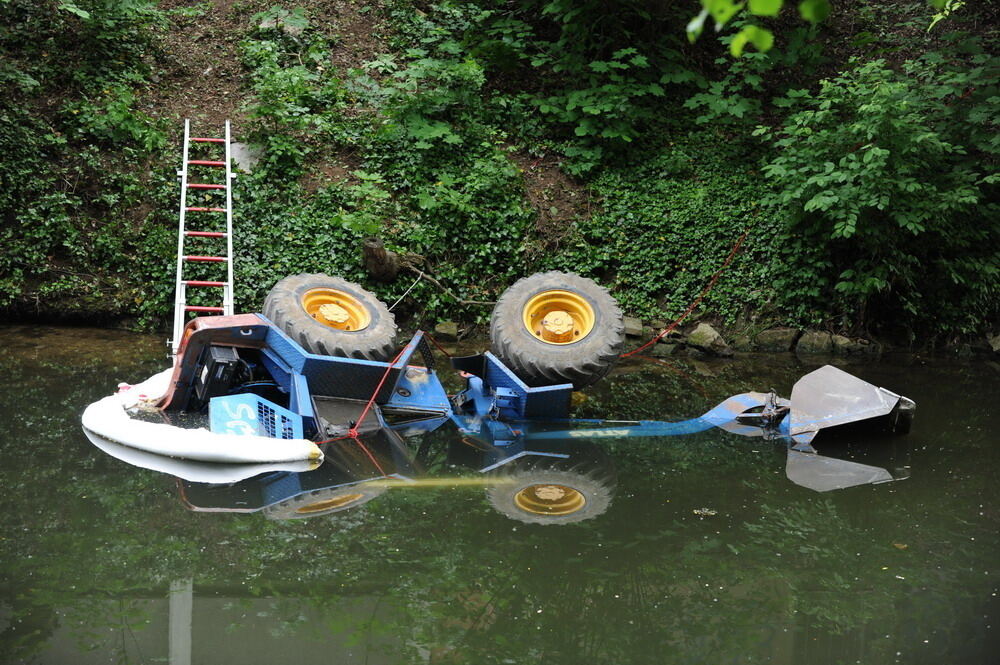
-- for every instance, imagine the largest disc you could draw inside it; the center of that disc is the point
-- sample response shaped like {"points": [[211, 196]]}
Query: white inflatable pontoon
{"points": [[110, 419]]}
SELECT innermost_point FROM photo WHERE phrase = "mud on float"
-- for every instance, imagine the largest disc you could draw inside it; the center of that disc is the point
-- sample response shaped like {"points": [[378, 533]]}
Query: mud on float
{"points": [[320, 365]]}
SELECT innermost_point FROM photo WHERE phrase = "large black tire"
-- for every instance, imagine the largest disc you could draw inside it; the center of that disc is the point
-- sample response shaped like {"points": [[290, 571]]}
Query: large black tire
{"points": [[284, 307], [316, 503], [547, 490], [538, 362]]}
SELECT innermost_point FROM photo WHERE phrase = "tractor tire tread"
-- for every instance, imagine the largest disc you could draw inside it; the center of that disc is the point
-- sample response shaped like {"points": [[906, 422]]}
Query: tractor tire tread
{"points": [[537, 363], [282, 306]]}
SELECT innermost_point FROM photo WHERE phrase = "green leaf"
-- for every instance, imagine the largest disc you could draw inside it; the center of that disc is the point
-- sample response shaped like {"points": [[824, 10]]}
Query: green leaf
{"points": [[696, 25], [761, 38], [73, 9], [765, 7], [814, 11], [296, 19], [721, 10], [426, 201]]}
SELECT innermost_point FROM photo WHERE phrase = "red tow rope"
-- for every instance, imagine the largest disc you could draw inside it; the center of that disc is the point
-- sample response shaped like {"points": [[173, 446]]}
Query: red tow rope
{"points": [[438, 345], [704, 292], [353, 432]]}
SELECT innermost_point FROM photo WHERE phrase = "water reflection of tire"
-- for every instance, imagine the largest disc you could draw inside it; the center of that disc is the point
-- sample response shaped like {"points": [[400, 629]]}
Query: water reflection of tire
{"points": [[323, 502], [545, 490]]}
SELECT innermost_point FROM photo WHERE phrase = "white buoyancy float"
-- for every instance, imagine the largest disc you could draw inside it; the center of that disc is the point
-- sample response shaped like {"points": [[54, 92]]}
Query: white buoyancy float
{"points": [[109, 418]]}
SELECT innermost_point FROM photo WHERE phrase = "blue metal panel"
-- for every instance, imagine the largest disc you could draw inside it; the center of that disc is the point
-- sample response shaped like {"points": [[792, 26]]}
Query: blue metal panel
{"points": [[300, 399], [499, 376], [249, 414], [419, 389], [348, 378], [285, 348], [544, 401], [548, 401], [276, 367]]}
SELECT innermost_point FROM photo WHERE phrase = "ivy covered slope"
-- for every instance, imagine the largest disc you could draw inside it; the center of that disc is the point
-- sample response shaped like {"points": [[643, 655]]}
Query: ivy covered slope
{"points": [[482, 141]]}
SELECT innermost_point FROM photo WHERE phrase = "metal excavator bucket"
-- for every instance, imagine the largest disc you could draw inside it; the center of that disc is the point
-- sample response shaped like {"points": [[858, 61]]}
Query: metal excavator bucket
{"points": [[828, 398]]}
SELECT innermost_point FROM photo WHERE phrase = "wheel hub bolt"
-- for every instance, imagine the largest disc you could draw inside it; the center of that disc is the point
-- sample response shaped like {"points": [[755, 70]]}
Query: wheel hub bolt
{"points": [[334, 314], [557, 326]]}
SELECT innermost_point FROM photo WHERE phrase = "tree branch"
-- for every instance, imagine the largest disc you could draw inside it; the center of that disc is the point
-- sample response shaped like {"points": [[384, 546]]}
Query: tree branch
{"points": [[444, 288]]}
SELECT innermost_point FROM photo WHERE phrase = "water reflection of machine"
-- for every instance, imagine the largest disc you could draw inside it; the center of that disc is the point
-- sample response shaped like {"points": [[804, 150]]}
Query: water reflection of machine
{"points": [[553, 482], [556, 484]]}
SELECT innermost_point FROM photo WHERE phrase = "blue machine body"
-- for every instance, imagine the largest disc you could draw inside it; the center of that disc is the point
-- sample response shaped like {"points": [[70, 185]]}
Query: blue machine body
{"points": [[494, 392], [497, 406]]}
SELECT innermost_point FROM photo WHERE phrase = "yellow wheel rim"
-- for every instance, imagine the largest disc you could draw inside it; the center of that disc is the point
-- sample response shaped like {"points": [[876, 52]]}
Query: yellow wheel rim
{"points": [[549, 500], [336, 309], [328, 504], [558, 317]]}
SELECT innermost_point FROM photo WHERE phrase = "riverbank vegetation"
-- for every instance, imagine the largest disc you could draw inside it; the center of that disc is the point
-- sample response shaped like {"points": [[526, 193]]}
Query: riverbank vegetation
{"points": [[486, 140]]}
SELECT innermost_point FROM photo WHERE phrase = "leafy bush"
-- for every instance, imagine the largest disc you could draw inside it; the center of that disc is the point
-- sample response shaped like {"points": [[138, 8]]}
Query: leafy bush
{"points": [[884, 186], [433, 181], [597, 89], [877, 170], [423, 98], [109, 115], [666, 224], [69, 219], [737, 90]]}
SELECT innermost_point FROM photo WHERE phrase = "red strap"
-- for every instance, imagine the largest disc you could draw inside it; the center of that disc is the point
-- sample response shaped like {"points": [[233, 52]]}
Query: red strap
{"points": [[697, 301], [354, 430], [437, 344]]}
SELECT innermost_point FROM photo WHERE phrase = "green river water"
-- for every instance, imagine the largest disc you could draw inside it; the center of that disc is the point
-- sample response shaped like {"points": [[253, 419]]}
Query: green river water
{"points": [[705, 552]]}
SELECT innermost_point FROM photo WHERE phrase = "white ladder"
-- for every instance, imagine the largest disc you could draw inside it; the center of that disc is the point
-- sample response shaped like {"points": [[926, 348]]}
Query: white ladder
{"points": [[204, 213]]}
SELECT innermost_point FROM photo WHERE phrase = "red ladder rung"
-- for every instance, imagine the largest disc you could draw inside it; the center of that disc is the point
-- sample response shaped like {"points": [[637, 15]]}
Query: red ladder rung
{"points": [[201, 282], [199, 209], [201, 139], [206, 234], [206, 162], [205, 258], [202, 308], [198, 185]]}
